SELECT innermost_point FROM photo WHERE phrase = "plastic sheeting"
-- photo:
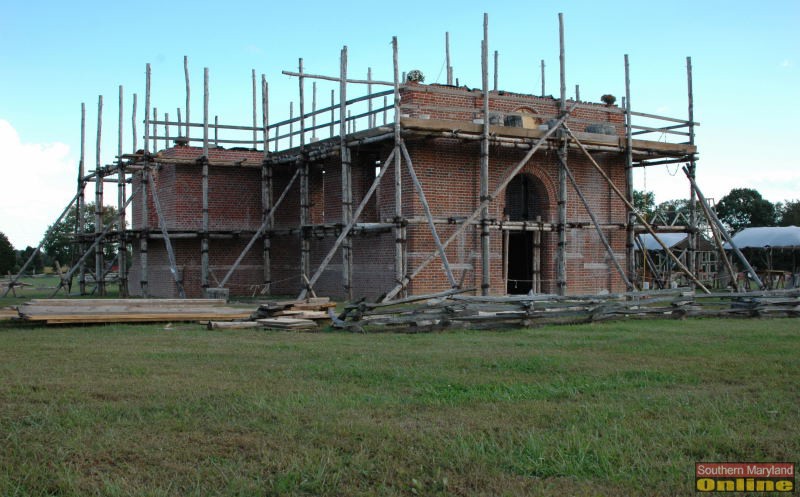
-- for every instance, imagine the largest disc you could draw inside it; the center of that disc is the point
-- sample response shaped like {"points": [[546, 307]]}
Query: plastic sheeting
{"points": [[768, 237]]}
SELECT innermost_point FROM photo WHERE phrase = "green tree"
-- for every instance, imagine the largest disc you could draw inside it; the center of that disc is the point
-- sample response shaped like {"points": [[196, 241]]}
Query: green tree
{"points": [[59, 242], [745, 207], [645, 203], [23, 255], [789, 213], [8, 257]]}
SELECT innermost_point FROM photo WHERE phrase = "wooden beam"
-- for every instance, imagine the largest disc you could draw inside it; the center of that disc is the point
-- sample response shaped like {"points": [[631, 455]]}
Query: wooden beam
{"points": [[484, 177], [122, 248], [99, 265]]}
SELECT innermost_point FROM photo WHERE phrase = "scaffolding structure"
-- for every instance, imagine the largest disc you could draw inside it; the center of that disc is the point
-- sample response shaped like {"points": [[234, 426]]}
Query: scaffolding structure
{"points": [[375, 117]]}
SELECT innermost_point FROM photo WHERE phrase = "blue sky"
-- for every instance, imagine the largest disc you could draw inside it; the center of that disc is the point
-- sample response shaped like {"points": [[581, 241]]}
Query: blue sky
{"points": [[55, 55]]}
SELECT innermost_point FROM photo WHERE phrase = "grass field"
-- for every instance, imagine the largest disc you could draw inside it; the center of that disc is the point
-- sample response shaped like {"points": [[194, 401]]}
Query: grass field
{"points": [[621, 408]]}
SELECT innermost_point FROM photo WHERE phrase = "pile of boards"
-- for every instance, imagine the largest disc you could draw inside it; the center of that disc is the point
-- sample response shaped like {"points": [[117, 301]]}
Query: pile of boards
{"points": [[306, 314], [68, 311], [451, 310]]}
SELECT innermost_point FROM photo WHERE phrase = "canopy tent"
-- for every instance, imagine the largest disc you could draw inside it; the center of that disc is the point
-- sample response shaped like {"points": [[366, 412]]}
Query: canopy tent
{"points": [[785, 237], [678, 241]]}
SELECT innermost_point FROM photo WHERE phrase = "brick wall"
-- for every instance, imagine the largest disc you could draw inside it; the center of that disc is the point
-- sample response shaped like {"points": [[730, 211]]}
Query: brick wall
{"points": [[449, 171]]}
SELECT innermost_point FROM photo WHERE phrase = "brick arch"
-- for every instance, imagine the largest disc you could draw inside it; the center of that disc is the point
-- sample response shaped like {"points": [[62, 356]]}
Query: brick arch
{"points": [[543, 187]]}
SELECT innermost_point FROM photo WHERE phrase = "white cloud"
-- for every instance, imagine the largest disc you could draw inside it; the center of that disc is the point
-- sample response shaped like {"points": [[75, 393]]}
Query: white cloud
{"points": [[36, 182]]}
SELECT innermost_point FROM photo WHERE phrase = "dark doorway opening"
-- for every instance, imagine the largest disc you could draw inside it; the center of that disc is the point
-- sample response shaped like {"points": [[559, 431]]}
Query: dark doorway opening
{"points": [[520, 262]]}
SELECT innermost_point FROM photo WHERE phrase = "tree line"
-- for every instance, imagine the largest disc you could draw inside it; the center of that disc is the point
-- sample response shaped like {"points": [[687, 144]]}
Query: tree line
{"points": [[740, 208], [58, 243]]}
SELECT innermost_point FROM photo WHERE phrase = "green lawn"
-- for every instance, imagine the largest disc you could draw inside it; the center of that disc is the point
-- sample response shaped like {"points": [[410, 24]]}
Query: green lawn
{"points": [[622, 408]]}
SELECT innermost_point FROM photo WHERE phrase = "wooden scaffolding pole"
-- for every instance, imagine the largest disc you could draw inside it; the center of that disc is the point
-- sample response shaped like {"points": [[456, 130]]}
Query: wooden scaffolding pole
{"points": [[134, 138], [305, 197], [347, 178], [266, 189], [715, 220], [448, 67], [79, 223], [204, 259], [717, 240], [255, 112], [400, 228], [188, 94], [693, 231], [561, 253], [99, 263], [630, 218], [484, 186], [630, 206], [542, 77], [145, 228], [122, 248]]}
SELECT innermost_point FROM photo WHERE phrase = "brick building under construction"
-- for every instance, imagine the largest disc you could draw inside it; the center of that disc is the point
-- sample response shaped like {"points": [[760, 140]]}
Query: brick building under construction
{"points": [[440, 187]]}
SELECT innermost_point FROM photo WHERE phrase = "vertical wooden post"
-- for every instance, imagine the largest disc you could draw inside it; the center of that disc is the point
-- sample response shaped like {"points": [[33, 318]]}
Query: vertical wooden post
{"points": [[399, 229], [370, 117], [255, 113], [155, 129], [561, 255], [496, 68], [347, 191], [122, 248], [291, 124], [180, 130], [448, 67], [216, 131], [693, 231], [188, 94], [333, 106], [266, 189], [204, 259], [81, 202], [314, 111], [166, 130], [630, 234], [542, 94], [484, 186], [99, 263], [134, 148], [577, 93], [305, 197], [144, 233]]}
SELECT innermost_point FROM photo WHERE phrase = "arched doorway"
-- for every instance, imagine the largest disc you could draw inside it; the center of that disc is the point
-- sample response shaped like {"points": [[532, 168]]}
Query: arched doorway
{"points": [[526, 200]]}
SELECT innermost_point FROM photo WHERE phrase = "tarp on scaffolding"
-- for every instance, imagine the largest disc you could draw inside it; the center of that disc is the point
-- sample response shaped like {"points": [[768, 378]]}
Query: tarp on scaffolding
{"points": [[787, 237], [672, 240]]}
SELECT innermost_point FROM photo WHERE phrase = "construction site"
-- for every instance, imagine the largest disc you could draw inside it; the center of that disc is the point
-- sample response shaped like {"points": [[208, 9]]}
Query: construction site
{"points": [[394, 188]]}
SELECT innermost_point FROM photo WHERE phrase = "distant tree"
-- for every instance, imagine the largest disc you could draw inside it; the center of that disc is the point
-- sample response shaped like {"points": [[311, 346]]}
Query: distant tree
{"points": [[645, 202], [8, 257], [789, 213], [745, 207], [59, 245], [38, 262]]}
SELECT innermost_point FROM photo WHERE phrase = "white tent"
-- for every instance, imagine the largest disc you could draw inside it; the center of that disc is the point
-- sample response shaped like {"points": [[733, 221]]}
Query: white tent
{"points": [[787, 237]]}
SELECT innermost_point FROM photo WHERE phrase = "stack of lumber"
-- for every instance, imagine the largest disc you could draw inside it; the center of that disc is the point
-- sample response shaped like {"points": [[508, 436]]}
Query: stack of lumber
{"points": [[449, 309], [7, 313], [67, 311], [306, 314]]}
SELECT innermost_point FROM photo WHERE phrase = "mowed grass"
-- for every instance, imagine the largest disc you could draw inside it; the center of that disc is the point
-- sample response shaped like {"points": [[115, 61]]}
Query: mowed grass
{"points": [[622, 408]]}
